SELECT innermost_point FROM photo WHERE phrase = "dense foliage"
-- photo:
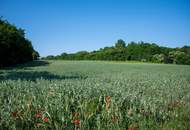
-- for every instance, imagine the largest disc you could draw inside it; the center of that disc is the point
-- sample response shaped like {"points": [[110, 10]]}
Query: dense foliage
{"points": [[140, 51], [93, 95], [14, 47]]}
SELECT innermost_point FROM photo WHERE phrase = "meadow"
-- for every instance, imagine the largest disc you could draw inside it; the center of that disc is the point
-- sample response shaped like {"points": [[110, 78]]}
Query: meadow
{"points": [[95, 95]]}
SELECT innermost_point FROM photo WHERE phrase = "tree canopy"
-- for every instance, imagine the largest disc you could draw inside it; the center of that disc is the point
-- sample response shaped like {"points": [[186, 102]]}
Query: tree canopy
{"points": [[137, 51], [14, 47]]}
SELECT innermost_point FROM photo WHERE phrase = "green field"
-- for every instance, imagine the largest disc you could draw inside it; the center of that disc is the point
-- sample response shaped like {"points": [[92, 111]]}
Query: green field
{"points": [[95, 95]]}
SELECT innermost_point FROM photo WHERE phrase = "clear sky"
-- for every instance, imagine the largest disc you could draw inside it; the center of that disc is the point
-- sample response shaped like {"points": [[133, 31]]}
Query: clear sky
{"points": [[56, 26]]}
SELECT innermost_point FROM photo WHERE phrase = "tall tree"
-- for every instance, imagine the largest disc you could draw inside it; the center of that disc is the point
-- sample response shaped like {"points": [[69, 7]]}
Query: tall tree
{"points": [[14, 47], [120, 44]]}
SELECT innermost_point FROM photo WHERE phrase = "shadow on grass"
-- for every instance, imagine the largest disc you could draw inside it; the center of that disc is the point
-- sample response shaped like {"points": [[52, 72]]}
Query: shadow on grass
{"points": [[33, 64], [34, 75], [27, 65], [25, 72]]}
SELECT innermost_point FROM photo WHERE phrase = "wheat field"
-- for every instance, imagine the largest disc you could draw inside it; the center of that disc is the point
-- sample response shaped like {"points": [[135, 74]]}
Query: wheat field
{"points": [[95, 95]]}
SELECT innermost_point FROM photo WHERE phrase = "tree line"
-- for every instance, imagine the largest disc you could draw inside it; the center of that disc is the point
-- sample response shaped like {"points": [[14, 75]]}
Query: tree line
{"points": [[15, 48], [133, 51]]}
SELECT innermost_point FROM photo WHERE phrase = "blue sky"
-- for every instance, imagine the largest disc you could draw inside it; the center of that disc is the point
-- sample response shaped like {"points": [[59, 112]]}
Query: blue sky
{"points": [[56, 26]]}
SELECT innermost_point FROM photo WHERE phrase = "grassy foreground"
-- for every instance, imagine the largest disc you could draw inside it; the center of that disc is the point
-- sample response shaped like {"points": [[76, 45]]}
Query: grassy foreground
{"points": [[95, 95]]}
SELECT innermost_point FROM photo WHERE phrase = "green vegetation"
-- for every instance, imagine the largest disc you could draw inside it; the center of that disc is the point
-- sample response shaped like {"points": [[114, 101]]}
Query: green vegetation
{"points": [[145, 52], [92, 95], [14, 47]]}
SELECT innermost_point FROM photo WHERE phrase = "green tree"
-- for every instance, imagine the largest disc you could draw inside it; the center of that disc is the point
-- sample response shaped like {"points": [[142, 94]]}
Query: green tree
{"points": [[35, 55], [14, 47], [158, 58], [179, 57], [120, 44], [139, 51]]}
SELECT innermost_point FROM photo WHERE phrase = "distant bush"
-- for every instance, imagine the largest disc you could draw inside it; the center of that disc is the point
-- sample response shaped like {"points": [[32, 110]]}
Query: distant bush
{"points": [[14, 47]]}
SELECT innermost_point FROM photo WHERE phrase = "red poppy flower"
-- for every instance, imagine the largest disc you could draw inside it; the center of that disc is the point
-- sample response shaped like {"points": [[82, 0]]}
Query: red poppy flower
{"points": [[76, 122], [38, 116], [46, 119], [14, 114]]}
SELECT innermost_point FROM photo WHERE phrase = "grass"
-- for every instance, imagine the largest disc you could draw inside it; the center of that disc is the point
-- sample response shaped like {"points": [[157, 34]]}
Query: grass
{"points": [[95, 95]]}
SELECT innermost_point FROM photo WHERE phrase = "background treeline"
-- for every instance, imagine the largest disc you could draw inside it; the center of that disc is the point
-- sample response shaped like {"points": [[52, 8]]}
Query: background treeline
{"points": [[14, 47], [141, 51]]}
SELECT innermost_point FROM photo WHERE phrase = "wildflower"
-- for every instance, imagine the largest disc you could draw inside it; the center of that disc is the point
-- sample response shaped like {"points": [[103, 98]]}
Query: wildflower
{"points": [[14, 114], [38, 116], [46, 119], [108, 101], [76, 122]]}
